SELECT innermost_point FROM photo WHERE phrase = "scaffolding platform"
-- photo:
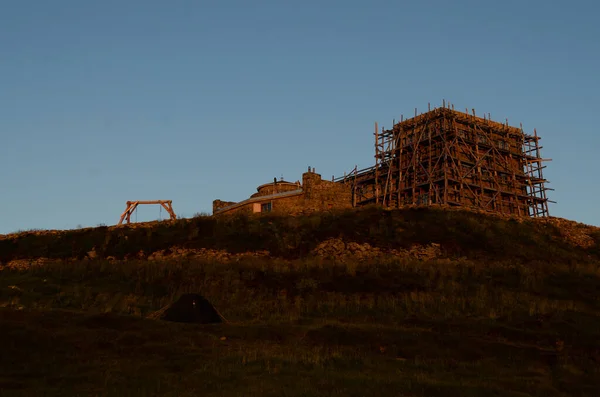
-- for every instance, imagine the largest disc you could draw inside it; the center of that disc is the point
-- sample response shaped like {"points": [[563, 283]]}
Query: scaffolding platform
{"points": [[449, 157]]}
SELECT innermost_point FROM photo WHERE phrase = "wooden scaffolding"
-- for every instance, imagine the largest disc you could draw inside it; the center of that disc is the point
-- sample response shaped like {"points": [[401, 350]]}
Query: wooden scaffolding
{"points": [[449, 157]]}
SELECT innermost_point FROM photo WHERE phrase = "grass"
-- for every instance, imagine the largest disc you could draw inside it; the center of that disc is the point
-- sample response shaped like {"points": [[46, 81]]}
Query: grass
{"points": [[479, 322], [460, 233], [114, 355], [303, 327]]}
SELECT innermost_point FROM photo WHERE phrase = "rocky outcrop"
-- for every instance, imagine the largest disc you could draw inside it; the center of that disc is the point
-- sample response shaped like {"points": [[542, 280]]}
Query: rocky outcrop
{"points": [[338, 249], [174, 253], [575, 233], [202, 253], [331, 248], [25, 264]]}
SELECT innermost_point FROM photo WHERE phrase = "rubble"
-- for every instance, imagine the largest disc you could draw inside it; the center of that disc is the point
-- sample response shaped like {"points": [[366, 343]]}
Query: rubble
{"points": [[204, 253], [25, 264], [337, 249], [575, 233]]}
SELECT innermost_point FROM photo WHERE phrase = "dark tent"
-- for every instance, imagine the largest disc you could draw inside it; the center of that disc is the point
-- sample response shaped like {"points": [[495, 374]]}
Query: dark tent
{"points": [[192, 308]]}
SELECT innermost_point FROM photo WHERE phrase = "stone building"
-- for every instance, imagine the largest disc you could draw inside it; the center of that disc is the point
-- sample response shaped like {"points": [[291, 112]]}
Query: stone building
{"points": [[313, 194], [441, 157]]}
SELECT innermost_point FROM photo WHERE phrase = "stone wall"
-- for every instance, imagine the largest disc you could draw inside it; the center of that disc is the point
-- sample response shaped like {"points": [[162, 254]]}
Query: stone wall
{"points": [[218, 204], [276, 187], [317, 195], [322, 195]]}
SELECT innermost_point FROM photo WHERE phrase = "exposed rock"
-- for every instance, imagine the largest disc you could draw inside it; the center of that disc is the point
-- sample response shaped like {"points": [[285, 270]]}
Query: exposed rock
{"points": [[338, 249], [427, 252], [575, 233], [24, 264], [204, 253], [330, 248], [92, 254]]}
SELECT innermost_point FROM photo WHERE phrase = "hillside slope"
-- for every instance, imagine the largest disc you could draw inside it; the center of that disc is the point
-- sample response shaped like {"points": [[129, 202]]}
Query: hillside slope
{"points": [[415, 302], [459, 233]]}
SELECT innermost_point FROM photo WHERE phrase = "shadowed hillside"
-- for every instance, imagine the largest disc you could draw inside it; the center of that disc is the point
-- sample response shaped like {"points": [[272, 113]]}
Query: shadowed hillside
{"points": [[416, 302], [460, 233]]}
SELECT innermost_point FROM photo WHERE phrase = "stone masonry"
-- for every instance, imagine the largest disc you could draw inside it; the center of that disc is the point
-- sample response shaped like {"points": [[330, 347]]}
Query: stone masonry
{"points": [[313, 194]]}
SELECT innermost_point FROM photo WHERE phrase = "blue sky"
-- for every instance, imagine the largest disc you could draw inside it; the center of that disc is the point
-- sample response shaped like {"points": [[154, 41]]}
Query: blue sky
{"points": [[107, 101]]}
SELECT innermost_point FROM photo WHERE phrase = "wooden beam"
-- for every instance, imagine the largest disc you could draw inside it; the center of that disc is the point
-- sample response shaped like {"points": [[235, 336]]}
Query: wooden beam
{"points": [[132, 205]]}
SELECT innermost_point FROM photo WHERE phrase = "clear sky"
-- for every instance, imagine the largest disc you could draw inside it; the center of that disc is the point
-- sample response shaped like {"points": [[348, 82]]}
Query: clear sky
{"points": [[107, 101]]}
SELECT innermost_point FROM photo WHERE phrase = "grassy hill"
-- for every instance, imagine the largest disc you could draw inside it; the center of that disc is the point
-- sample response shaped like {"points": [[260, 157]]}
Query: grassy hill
{"points": [[324, 304]]}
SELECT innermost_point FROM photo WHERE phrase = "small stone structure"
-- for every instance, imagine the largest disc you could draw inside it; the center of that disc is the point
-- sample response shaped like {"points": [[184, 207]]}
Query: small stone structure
{"points": [[313, 194]]}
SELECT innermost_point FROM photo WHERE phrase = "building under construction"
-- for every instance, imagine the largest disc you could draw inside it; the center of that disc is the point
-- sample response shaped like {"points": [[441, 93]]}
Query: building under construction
{"points": [[454, 158]]}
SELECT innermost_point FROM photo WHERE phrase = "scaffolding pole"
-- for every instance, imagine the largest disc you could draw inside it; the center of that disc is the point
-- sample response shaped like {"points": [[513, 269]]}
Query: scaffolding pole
{"points": [[449, 157]]}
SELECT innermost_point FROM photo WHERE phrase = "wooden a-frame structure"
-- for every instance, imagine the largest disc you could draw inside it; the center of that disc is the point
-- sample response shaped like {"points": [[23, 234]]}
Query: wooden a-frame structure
{"points": [[132, 205]]}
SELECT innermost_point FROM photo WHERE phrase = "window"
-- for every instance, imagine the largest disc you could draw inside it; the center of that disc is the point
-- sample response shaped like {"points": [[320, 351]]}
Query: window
{"points": [[502, 145], [482, 139], [266, 207]]}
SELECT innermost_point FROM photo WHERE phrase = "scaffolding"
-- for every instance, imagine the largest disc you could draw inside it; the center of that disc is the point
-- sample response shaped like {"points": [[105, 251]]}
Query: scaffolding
{"points": [[449, 157]]}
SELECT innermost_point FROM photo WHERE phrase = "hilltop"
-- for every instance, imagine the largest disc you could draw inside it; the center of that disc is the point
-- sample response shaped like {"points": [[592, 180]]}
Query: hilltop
{"points": [[458, 232], [417, 301]]}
